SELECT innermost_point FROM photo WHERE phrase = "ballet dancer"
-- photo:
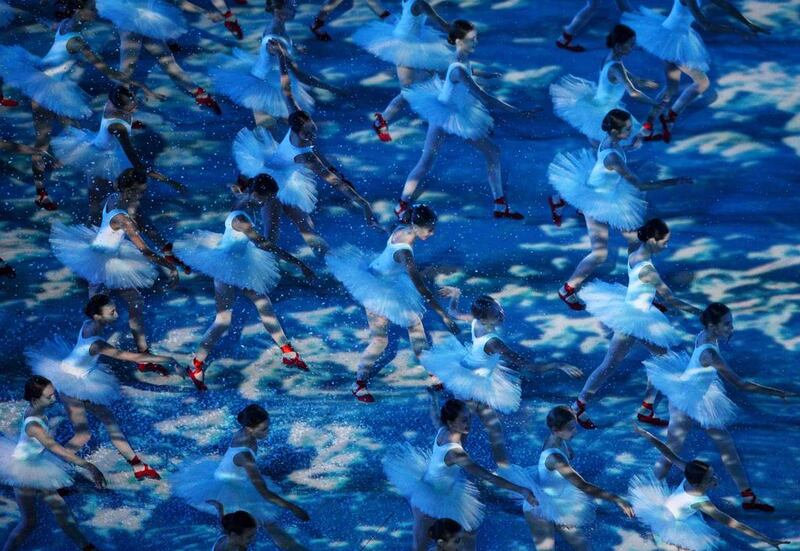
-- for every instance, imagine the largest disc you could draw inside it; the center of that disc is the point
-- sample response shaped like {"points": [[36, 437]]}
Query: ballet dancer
{"points": [[414, 48], [673, 40], [391, 289], [447, 534], [456, 106], [242, 259], [565, 497], [330, 5], [697, 397], [235, 482], [580, 21], [607, 192], [630, 314], [239, 526], [482, 374], [434, 483], [36, 466], [673, 514]]}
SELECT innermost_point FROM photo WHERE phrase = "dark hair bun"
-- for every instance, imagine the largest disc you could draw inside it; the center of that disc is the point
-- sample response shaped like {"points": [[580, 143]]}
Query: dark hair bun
{"points": [[615, 120], [713, 313], [559, 416], [419, 215], [263, 184], [238, 522], [450, 410], [95, 304], [620, 34], [653, 229], [252, 415], [34, 387], [444, 529], [485, 307], [459, 29]]}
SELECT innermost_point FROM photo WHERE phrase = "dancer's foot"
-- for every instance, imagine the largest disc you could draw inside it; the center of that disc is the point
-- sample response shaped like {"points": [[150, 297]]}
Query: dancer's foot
{"points": [[170, 257], [315, 28], [203, 99], [381, 128], [666, 124], [555, 210], [565, 43], [754, 504], [142, 470], [232, 24], [292, 359], [647, 415], [402, 206], [361, 393], [43, 201], [7, 102], [568, 294], [649, 133], [197, 375], [580, 415], [502, 210]]}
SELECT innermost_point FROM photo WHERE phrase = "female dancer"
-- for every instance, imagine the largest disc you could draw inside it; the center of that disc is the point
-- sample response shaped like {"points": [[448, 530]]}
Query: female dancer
{"points": [[608, 194], [104, 257], [584, 104], [241, 258], [633, 318], [673, 40], [240, 529], [579, 22], [235, 483], [697, 397], [434, 484], [456, 106], [673, 514], [448, 535], [391, 290], [35, 467], [84, 386], [330, 5], [482, 374], [565, 497], [416, 51]]}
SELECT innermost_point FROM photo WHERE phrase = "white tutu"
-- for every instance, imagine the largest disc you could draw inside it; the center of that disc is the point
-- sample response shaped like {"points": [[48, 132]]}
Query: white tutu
{"points": [[606, 302], [75, 148], [195, 483], [254, 152], [682, 46], [125, 268], [574, 100], [6, 14], [427, 51], [393, 296], [19, 69], [97, 385], [232, 78], [622, 208], [150, 18], [405, 467], [571, 508], [697, 392], [648, 496], [42, 472], [493, 384], [238, 263], [469, 119]]}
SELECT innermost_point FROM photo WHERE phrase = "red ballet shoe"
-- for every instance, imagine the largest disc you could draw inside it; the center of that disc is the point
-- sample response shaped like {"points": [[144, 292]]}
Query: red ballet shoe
{"points": [[149, 367], [754, 504], [361, 393], [666, 129], [381, 128], [570, 298], [194, 372], [203, 99], [315, 28], [6, 270], [402, 206], [147, 472], [43, 201], [555, 214], [579, 409], [506, 212], [565, 43], [650, 417], [650, 135], [233, 25], [174, 260], [138, 125], [296, 361], [7, 102]]}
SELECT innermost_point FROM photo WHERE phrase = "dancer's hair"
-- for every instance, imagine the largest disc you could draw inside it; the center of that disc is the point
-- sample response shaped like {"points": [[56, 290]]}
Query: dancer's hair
{"points": [[119, 95], [130, 178], [713, 313], [67, 8], [297, 119], [655, 228], [459, 29], [450, 411], [34, 387], [238, 522], [263, 184], [95, 305], [695, 471], [270, 6], [444, 529], [620, 34], [485, 307], [615, 120], [558, 417], [252, 415], [419, 215]]}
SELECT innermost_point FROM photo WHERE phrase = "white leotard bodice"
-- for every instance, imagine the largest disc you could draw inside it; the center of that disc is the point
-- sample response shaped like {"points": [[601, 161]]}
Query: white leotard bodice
{"points": [[227, 469], [57, 62], [231, 235], [680, 503], [439, 474], [640, 294], [551, 482], [455, 92], [80, 362], [108, 238], [268, 65], [608, 92], [696, 371], [27, 447], [410, 25], [385, 263], [679, 18], [601, 178], [477, 355], [104, 140], [287, 151]]}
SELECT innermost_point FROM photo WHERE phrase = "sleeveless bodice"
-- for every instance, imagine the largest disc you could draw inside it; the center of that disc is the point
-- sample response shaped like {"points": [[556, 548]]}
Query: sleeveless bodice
{"points": [[696, 371], [640, 294], [410, 25], [108, 238], [227, 469], [104, 140], [27, 447], [232, 236], [268, 65], [607, 91], [287, 151], [80, 362], [455, 92], [477, 355], [679, 18], [680, 503], [600, 178], [385, 263], [438, 473], [551, 482], [57, 62]]}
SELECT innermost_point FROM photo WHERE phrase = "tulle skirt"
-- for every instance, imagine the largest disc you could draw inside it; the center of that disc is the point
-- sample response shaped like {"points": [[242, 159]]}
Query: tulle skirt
{"points": [[697, 392], [195, 484], [680, 46], [62, 96], [96, 385], [428, 50], [606, 302], [232, 78], [75, 148], [571, 508], [255, 153], [42, 472], [124, 268], [240, 263], [468, 118], [575, 101], [648, 495], [405, 467], [622, 208], [151, 18], [492, 383], [392, 296]]}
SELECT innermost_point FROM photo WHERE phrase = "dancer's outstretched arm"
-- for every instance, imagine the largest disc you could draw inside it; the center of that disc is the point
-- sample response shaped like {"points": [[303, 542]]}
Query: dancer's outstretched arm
{"points": [[34, 430], [246, 461], [708, 508], [709, 357], [736, 14], [665, 450], [460, 458], [263, 243], [557, 463], [424, 8], [405, 258], [512, 357], [480, 93], [614, 162], [649, 275]]}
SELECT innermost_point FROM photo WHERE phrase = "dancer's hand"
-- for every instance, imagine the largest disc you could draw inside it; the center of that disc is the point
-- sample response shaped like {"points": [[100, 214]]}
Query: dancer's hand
{"points": [[149, 94], [783, 394], [626, 507], [449, 291], [649, 84], [97, 476], [529, 497], [173, 277], [299, 512], [370, 218], [570, 370], [777, 543]]}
